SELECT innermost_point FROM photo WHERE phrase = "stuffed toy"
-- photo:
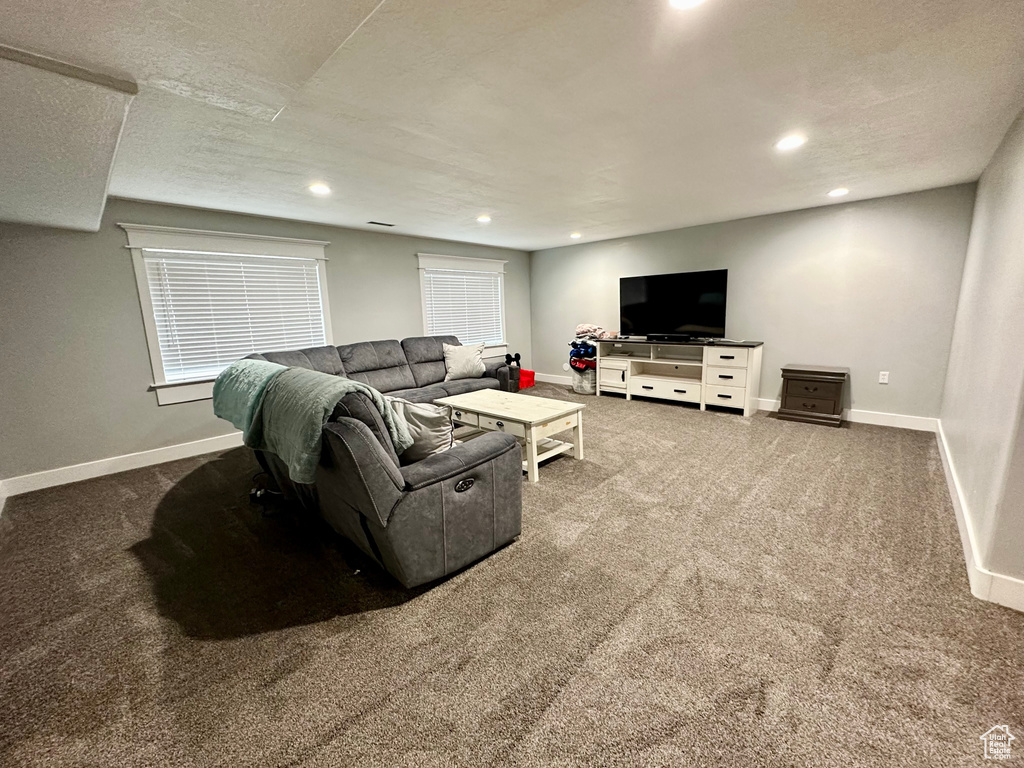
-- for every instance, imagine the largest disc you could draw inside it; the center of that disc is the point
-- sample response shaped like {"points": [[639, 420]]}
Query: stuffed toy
{"points": [[512, 361]]}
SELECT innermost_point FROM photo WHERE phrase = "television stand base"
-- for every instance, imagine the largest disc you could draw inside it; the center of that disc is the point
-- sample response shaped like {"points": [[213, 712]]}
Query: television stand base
{"points": [[714, 372]]}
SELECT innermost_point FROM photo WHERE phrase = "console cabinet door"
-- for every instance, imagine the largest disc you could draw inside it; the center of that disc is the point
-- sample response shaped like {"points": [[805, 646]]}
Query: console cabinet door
{"points": [[613, 377]]}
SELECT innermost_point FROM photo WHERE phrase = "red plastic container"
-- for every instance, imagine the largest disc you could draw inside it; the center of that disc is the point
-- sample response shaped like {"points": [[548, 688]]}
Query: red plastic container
{"points": [[526, 378]]}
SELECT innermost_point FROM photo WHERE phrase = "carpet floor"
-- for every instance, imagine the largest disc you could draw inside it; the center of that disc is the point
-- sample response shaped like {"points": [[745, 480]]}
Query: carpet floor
{"points": [[702, 589]]}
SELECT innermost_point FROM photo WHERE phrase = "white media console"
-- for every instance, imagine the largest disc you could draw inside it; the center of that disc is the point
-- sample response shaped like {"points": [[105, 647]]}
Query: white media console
{"points": [[712, 373]]}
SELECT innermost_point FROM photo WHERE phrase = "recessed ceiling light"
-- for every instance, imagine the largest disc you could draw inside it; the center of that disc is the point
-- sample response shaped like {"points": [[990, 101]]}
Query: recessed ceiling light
{"points": [[319, 189], [483, 219], [840, 192], [575, 235], [685, 3], [794, 140]]}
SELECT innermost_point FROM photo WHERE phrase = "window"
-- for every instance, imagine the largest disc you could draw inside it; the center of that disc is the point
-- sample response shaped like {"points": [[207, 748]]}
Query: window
{"points": [[464, 297], [210, 298]]}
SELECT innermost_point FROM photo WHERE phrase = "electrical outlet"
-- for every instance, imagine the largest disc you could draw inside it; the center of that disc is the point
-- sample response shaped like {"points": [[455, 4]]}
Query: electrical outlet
{"points": [[883, 377]]}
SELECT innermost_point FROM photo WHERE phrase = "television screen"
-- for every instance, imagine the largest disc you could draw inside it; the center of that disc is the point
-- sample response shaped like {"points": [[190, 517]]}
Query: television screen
{"points": [[682, 304]]}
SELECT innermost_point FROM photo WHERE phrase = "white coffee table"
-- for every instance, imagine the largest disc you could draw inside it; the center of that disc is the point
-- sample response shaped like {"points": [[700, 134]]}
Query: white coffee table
{"points": [[530, 419]]}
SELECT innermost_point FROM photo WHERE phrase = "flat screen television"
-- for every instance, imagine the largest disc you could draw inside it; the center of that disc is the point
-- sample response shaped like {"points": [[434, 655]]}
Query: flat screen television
{"points": [[677, 306]]}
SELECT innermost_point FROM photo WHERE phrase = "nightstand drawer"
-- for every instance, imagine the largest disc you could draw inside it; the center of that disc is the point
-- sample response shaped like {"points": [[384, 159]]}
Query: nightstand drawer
{"points": [[727, 377], [727, 356], [822, 390], [809, 405]]}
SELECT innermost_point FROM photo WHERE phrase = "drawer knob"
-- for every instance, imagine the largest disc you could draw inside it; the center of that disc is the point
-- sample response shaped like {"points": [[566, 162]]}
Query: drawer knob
{"points": [[728, 357], [680, 391], [644, 386], [723, 376], [810, 405], [811, 389], [458, 414], [726, 397], [499, 423]]}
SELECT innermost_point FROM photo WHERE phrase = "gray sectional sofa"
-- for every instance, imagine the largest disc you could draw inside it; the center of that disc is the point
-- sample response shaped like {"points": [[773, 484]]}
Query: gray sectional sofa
{"points": [[419, 521]]}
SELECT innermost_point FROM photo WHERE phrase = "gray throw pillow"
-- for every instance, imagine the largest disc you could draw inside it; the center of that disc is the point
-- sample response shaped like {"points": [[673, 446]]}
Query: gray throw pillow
{"points": [[430, 425], [464, 362]]}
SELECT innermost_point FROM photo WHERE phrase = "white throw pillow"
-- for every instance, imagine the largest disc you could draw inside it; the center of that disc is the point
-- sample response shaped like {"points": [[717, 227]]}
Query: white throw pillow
{"points": [[430, 426], [465, 362]]}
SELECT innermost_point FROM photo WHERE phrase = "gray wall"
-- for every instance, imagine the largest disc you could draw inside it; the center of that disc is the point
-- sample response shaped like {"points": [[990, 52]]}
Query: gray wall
{"points": [[75, 366], [871, 285], [981, 410]]}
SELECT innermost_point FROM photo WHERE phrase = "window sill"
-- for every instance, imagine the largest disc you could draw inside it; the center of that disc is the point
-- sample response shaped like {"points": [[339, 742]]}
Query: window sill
{"points": [[497, 351], [183, 392]]}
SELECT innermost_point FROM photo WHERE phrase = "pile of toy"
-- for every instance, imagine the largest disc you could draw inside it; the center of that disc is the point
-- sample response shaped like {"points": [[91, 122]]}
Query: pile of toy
{"points": [[591, 331], [583, 357]]}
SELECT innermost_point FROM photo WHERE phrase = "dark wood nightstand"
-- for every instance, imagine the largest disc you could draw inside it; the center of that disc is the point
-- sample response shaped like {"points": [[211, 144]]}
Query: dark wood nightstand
{"points": [[813, 393]]}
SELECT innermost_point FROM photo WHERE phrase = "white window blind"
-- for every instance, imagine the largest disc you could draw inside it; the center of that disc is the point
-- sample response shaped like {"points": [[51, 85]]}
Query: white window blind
{"points": [[464, 303], [212, 309]]}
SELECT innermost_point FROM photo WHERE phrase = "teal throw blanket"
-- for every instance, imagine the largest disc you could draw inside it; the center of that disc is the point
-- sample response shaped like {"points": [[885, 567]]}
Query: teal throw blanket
{"points": [[239, 389], [296, 404]]}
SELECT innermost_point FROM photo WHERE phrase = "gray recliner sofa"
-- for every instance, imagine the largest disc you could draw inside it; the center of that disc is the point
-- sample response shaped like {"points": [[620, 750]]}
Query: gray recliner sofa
{"points": [[419, 521]]}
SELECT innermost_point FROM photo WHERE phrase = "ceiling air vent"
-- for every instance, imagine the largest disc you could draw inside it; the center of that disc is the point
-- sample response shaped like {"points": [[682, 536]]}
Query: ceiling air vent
{"points": [[380, 223]]}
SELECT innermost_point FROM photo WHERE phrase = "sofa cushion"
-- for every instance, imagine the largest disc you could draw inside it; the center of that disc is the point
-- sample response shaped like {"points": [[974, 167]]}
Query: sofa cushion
{"points": [[358, 406], [425, 355], [323, 359], [462, 386], [420, 394], [430, 426], [380, 364], [464, 362]]}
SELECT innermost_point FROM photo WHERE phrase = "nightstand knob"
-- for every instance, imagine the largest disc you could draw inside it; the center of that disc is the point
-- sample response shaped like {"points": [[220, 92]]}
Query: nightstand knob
{"points": [[811, 389], [810, 405], [499, 423]]}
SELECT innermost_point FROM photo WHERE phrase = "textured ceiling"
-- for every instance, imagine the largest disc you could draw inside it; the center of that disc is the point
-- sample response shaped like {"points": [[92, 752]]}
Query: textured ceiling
{"points": [[59, 135], [606, 117]]}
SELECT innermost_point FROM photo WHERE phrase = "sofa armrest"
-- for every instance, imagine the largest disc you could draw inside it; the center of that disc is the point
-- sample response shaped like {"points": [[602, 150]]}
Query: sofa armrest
{"points": [[498, 369], [457, 460]]}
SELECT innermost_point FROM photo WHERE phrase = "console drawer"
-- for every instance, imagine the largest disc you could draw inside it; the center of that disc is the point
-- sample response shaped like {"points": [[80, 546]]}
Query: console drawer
{"points": [[727, 377], [656, 386], [465, 418], [823, 390], [611, 362], [685, 393], [728, 356], [500, 425], [732, 397], [809, 405]]}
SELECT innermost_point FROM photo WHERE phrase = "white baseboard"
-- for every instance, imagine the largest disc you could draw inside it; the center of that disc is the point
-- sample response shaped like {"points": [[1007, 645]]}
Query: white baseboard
{"points": [[552, 378], [12, 486], [899, 420], [985, 584]]}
